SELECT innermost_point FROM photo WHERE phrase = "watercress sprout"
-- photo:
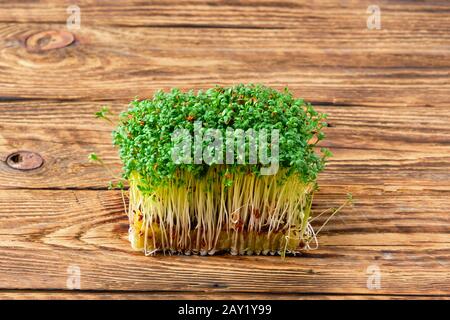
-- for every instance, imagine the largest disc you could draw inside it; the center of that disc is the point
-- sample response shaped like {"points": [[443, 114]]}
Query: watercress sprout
{"points": [[200, 206]]}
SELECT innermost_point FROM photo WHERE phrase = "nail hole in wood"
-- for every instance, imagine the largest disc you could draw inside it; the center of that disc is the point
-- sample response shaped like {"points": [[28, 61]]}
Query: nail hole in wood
{"points": [[24, 160]]}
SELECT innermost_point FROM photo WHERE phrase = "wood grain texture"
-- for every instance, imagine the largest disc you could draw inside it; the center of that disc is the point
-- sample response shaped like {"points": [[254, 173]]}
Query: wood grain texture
{"points": [[264, 14], [111, 295], [381, 147], [45, 232], [387, 93], [335, 66]]}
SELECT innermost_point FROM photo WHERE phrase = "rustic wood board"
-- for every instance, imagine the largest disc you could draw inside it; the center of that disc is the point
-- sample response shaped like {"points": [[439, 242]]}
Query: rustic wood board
{"points": [[387, 93]]}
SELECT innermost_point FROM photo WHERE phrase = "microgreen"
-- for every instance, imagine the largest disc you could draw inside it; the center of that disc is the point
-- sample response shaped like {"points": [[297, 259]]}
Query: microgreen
{"points": [[116, 185], [196, 207], [93, 157], [103, 113], [144, 133]]}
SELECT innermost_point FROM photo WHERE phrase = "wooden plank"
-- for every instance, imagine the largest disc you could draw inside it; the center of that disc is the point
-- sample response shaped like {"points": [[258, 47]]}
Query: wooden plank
{"points": [[337, 66], [43, 232], [386, 91], [347, 14], [86, 295], [381, 149]]}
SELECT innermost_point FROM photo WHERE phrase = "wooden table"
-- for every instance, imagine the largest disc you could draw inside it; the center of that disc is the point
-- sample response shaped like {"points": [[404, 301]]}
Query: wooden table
{"points": [[387, 93]]}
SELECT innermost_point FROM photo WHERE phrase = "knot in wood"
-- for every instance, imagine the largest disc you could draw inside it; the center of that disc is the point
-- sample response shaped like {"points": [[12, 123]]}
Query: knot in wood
{"points": [[24, 160], [49, 40]]}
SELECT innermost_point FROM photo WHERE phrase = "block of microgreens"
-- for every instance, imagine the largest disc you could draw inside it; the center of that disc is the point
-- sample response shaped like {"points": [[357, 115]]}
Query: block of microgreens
{"points": [[227, 204]]}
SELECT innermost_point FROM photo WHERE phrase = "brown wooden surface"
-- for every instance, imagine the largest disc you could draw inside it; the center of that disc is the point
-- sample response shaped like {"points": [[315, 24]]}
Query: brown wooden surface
{"points": [[387, 93], [109, 295]]}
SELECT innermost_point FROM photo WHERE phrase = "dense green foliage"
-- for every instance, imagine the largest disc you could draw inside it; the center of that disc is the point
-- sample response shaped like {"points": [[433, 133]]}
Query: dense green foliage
{"points": [[144, 135]]}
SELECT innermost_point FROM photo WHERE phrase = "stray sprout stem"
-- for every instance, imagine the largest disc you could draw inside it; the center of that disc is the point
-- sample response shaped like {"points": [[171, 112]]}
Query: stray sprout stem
{"points": [[103, 114], [348, 201], [95, 158]]}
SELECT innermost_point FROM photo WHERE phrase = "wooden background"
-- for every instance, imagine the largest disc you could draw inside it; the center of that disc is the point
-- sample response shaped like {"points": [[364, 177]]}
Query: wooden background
{"points": [[387, 93]]}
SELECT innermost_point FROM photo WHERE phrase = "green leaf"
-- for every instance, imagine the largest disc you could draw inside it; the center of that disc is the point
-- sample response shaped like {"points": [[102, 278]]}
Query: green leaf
{"points": [[144, 134], [103, 113], [93, 157]]}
